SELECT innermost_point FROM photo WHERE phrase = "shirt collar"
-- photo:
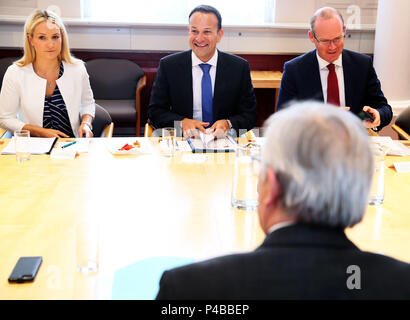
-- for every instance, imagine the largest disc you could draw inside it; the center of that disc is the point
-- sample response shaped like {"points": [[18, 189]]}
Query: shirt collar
{"points": [[196, 61], [323, 63], [280, 225]]}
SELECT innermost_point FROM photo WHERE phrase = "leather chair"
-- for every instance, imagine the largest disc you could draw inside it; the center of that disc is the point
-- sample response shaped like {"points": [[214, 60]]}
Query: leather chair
{"points": [[402, 124], [102, 125], [4, 64], [117, 85]]}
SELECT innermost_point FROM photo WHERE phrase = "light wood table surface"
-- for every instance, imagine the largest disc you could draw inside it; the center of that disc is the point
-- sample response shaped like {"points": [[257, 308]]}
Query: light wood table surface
{"points": [[146, 206]]}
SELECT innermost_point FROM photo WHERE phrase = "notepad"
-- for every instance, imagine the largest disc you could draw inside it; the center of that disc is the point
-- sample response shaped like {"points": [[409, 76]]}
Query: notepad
{"points": [[208, 143], [63, 153], [37, 145], [395, 147]]}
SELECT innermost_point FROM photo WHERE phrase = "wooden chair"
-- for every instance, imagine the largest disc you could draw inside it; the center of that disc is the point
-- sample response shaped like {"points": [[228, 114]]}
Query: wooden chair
{"points": [[2, 132], [148, 130], [372, 133], [402, 124]]}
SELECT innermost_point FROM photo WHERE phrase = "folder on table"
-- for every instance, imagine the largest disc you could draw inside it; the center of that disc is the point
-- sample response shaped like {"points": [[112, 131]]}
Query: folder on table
{"points": [[37, 145], [207, 143]]}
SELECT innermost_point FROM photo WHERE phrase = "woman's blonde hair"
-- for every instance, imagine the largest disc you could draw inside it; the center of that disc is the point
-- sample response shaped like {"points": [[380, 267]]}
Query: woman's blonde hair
{"points": [[32, 21]]}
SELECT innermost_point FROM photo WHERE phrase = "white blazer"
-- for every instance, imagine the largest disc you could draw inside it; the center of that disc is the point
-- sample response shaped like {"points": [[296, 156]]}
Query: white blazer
{"points": [[23, 93]]}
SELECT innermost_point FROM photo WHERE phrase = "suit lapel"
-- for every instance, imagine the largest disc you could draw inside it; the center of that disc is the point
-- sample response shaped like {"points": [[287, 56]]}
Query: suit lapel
{"points": [[347, 78], [220, 83], [313, 73], [184, 74]]}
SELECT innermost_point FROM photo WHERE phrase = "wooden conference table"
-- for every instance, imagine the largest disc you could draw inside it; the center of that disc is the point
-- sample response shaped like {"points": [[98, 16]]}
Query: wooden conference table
{"points": [[146, 206]]}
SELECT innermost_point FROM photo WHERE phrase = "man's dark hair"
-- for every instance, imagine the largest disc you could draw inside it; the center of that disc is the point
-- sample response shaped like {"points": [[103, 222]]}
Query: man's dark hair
{"points": [[208, 9]]}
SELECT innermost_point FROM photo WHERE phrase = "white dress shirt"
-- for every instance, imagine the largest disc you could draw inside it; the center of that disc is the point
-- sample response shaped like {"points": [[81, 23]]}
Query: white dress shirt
{"points": [[280, 225], [197, 80], [324, 72]]}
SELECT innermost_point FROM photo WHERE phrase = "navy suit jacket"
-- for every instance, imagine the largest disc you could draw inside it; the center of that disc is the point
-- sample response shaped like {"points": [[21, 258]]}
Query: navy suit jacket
{"points": [[295, 262], [301, 81], [172, 98]]}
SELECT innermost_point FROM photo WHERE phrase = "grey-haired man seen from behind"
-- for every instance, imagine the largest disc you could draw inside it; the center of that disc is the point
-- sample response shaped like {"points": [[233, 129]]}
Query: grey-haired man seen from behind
{"points": [[314, 183]]}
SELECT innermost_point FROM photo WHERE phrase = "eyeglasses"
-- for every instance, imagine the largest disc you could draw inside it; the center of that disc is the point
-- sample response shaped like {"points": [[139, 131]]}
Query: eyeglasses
{"points": [[335, 41]]}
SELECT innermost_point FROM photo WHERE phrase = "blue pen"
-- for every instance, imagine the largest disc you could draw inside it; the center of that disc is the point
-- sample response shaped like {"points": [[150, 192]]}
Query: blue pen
{"points": [[69, 144]]}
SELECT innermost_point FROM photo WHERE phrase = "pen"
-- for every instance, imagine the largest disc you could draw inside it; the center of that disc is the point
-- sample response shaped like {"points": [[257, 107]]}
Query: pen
{"points": [[69, 144]]}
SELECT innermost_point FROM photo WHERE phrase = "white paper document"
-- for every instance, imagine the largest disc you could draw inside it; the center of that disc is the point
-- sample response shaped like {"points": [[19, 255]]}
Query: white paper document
{"points": [[402, 166], [37, 145], [81, 145], [183, 146], [63, 153], [395, 147]]}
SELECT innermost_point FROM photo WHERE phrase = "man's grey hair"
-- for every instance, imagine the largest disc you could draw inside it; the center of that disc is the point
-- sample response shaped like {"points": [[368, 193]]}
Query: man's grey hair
{"points": [[325, 13], [322, 158]]}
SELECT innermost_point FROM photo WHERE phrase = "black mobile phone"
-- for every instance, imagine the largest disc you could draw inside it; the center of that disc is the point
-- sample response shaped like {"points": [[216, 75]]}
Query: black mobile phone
{"points": [[25, 269], [366, 116]]}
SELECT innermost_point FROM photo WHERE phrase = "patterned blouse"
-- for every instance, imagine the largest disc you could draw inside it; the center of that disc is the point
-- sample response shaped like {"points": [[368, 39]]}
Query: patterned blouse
{"points": [[55, 114]]}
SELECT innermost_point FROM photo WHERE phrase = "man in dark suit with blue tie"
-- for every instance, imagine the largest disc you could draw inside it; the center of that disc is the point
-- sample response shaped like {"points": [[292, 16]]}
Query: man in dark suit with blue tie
{"points": [[203, 87], [333, 74]]}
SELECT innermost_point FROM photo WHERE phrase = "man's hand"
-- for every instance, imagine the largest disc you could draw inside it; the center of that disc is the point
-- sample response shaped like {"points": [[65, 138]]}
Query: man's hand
{"points": [[219, 128], [376, 117], [190, 127]]}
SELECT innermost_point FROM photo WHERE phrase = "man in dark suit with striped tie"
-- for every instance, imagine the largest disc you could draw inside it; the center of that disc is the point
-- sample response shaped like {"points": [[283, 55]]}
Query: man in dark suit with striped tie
{"points": [[333, 74], [203, 87]]}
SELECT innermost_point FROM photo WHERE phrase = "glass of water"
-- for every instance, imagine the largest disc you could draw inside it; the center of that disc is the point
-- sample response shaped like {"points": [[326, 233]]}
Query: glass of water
{"points": [[22, 145], [245, 182]]}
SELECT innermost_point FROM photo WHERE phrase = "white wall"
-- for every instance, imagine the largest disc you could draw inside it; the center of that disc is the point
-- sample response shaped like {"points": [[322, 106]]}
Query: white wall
{"points": [[287, 35]]}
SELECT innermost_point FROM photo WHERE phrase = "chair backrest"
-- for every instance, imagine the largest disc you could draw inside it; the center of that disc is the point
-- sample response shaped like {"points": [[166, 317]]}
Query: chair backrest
{"points": [[102, 120], [113, 79], [403, 120], [4, 64]]}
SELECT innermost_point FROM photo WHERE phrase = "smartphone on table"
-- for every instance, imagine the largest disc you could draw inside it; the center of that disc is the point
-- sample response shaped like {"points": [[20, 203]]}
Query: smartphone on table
{"points": [[25, 269]]}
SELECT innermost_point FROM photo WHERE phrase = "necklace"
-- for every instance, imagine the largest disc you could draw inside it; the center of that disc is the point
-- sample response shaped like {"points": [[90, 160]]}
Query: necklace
{"points": [[44, 75]]}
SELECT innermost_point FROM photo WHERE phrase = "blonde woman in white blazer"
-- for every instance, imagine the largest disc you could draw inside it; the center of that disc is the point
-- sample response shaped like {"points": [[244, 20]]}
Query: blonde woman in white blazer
{"points": [[47, 91]]}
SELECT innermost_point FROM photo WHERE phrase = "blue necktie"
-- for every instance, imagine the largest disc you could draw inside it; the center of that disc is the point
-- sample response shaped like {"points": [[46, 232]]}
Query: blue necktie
{"points": [[206, 86]]}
